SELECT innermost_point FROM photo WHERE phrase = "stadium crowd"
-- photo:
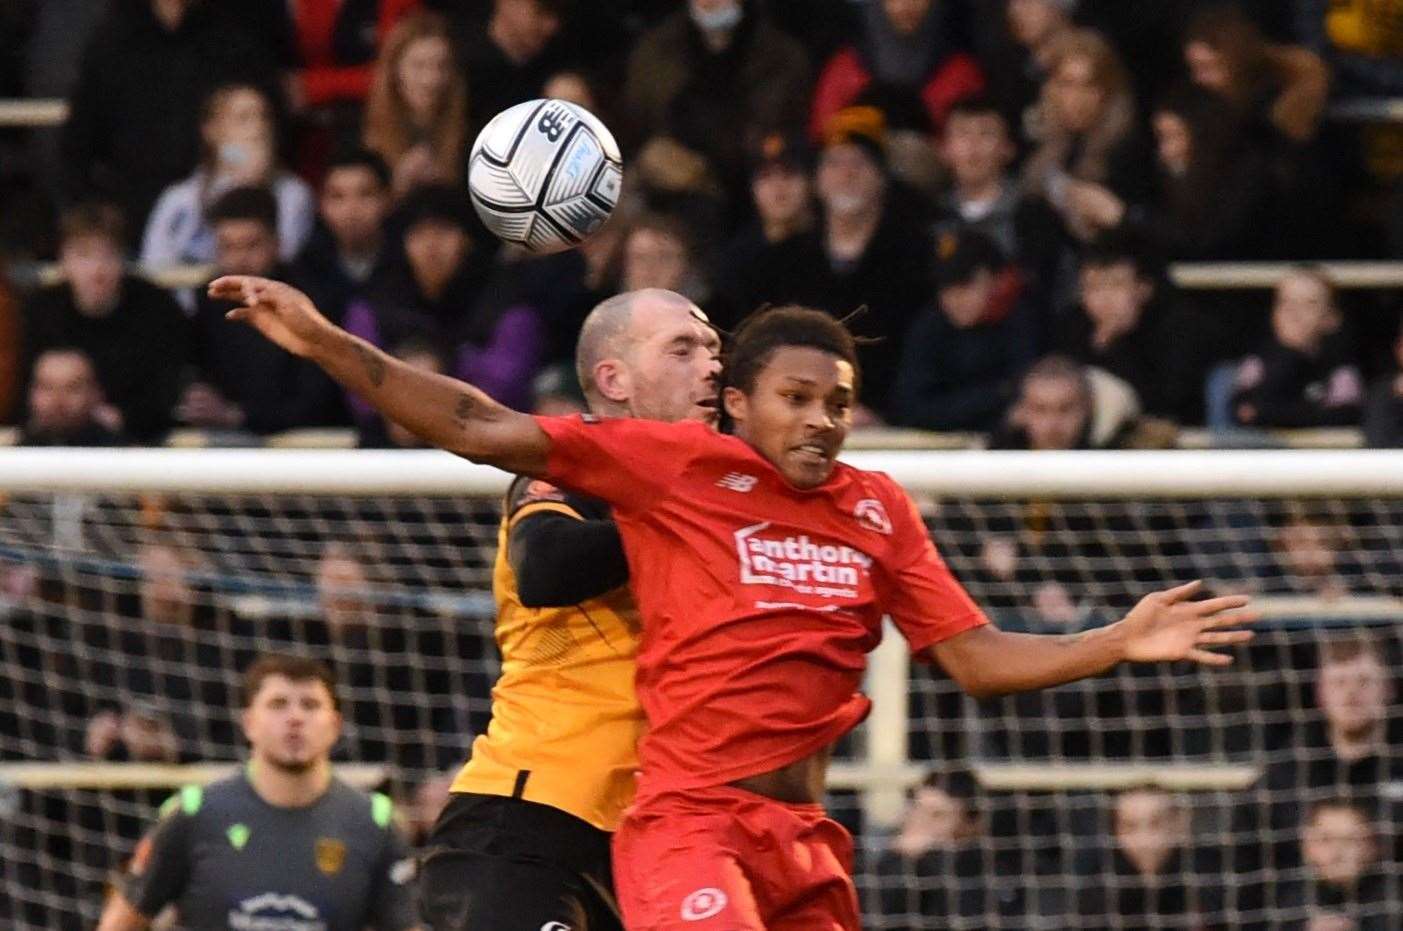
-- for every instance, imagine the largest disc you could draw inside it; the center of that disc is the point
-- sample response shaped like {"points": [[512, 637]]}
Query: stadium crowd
{"points": [[1001, 184]]}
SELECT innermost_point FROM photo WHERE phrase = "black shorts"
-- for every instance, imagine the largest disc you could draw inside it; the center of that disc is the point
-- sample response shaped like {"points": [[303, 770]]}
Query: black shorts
{"points": [[502, 864]]}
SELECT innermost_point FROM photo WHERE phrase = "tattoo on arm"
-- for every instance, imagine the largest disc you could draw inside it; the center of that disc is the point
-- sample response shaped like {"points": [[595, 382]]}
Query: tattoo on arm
{"points": [[374, 366], [463, 410]]}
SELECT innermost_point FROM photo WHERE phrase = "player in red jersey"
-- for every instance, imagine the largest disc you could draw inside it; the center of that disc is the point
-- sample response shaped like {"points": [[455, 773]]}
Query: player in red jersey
{"points": [[762, 568]]}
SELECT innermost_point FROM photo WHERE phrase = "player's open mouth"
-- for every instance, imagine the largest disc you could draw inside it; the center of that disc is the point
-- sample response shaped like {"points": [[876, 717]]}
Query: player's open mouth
{"points": [[812, 452]]}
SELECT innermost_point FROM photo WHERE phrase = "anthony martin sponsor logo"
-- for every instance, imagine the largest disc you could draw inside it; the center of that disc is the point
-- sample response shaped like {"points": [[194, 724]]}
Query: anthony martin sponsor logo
{"points": [[799, 563]]}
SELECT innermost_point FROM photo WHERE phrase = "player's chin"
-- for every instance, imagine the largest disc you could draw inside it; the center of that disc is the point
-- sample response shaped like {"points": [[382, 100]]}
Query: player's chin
{"points": [[808, 470]]}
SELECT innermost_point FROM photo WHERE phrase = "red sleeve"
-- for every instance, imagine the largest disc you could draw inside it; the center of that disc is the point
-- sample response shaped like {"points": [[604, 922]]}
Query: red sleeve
{"points": [[842, 79], [628, 463], [323, 84], [924, 599]]}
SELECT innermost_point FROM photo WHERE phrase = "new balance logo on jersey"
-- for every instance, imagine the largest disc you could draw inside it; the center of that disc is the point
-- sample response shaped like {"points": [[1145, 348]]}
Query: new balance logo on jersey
{"points": [[737, 481]]}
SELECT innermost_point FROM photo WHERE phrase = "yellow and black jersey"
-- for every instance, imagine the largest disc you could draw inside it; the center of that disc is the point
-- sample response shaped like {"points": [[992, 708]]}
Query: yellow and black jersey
{"points": [[565, 719]]}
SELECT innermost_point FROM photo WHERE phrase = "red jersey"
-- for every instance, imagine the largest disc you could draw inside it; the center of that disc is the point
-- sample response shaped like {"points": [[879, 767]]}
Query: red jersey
{"points": [[760, 601]]}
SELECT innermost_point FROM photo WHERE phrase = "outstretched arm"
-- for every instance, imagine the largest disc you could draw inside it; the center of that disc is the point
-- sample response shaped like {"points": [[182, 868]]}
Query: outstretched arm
{"points": [[1164, 626], [448, 413]]}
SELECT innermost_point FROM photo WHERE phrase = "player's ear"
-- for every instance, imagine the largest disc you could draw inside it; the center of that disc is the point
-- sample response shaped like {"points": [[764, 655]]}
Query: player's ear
{"points": [[736, 403], [613, 381]]}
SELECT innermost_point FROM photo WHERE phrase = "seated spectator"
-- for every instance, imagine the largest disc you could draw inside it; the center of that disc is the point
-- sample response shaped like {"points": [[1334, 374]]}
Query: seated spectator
{"points": [[937, 867], [508, 57], [1086, 135], [698, 79], [977, 149], [383, 433], [1359, 40], [1014, 38], [1280, 90], [238, 148], [1152, 875], [1383, 411], [782, 194], [332, 48], [868, 249], [1314, 557], [905, 64], [416, 118], [1128, 324], [140, 733], [962, 357], [439, 294], [657, 253], [133, 332], [347, 254], [241, 381], [556, 392], [1056, 408], [136, 110], [1305, 374], [1345, 878], [65, 403]]}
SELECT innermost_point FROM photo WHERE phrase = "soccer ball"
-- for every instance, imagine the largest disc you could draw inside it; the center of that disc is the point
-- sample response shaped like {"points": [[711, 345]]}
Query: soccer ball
{"points": [[544, 174]]}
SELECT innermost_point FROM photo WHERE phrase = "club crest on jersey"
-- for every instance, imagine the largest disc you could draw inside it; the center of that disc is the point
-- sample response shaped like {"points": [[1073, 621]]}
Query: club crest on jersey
{"points": [[331, 855], [703, 904], [870, 514]]}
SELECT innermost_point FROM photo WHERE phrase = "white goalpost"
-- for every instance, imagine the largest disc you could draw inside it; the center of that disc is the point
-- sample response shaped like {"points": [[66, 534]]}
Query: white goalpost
{"points": [[136, 584]]}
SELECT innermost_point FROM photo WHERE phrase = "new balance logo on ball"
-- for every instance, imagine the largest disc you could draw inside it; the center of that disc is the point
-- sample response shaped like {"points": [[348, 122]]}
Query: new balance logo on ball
{"points": [[737, 481]]}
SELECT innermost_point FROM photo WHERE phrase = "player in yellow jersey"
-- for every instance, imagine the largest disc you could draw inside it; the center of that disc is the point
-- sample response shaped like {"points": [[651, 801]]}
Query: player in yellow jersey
{"points": [[523, 844]]}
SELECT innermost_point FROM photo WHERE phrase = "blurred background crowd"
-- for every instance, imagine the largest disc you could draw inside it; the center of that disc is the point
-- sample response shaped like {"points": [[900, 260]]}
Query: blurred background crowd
{"points": [[1002, 185], [1006, 186]]}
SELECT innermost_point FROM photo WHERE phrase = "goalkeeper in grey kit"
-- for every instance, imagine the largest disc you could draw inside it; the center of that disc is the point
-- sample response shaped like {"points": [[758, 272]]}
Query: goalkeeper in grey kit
{"points": [[282, 846]]}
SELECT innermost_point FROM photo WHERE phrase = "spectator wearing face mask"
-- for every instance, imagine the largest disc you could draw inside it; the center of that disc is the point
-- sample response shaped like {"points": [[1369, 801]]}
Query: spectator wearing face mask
{"points": [[1305, 374], [133, 332]]}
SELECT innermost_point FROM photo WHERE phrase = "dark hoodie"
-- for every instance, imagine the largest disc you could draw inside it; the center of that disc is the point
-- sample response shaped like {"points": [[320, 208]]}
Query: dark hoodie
{"points": [[134, 126]]}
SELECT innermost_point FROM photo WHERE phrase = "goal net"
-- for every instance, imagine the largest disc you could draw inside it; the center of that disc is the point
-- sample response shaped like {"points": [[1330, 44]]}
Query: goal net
{"points": [[137, 585]]}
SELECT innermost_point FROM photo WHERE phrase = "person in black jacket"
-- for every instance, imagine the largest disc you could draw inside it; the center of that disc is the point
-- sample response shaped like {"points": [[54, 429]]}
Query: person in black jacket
{"points": [[135, 118], [962, 357], [1383, 411], [65, 403], [131, 330], [240, 382], [1306, 373], [1128, 324]]}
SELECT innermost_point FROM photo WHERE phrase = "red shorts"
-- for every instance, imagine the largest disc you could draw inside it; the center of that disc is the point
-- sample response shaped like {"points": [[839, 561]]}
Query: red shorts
{"points": [[724, 859]]}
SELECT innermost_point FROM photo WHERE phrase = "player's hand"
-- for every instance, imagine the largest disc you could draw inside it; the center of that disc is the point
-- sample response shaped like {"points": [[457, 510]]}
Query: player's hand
{"points": [[279, 311], [1167, 626]]}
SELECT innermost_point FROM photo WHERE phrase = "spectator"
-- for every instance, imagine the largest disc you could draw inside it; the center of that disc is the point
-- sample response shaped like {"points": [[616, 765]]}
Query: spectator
{"points": [[556, 392], [133, 332], [241, 382], [706, 74], [508, 58], [1313, 557], [332, 47], [1127, 324], [382, 433], [937, 868], [135, 111], [1359, 39], [1015, 39], [1344, 875], [1152, 876], [416, 118], [141, 733], [657, 253], [347, 256], [440, 294], [977, 149], [1058, 407], [1305, 374], [905, 64], [65, 403], [1088, 146], [962, 357], [238, 149], [1383, 411], [782, 194], [1280, 90], [869, 249]]}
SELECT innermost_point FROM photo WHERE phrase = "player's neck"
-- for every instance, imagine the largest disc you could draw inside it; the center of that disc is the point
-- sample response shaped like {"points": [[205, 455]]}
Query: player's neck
{"points": [[283, 789], [1353, 747]]}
